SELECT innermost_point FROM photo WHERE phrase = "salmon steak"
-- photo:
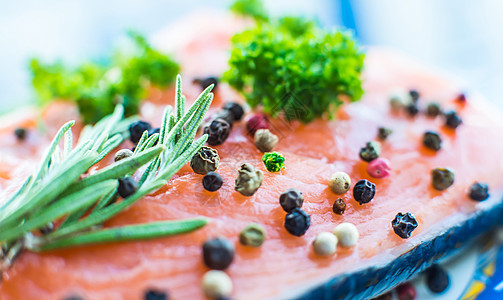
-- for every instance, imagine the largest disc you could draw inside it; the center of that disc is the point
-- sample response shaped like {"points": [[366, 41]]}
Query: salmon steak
{"points": [[285, 266]]}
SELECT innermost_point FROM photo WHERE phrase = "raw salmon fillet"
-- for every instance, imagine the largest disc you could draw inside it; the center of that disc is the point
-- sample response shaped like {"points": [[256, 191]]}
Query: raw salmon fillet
{"points": [[284, 265]]}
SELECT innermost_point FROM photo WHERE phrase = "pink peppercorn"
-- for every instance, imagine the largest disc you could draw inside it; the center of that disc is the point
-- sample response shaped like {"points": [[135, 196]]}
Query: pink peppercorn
{"points": [[379, 168], [256, 122], [406, 291]]}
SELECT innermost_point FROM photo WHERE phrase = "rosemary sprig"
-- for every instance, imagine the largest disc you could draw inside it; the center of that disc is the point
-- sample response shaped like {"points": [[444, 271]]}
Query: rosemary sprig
{"points": [[60, 190]]}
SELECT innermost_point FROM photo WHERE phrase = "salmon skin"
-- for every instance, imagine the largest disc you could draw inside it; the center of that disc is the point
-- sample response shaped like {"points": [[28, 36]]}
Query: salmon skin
{"points": [[285, 266]]}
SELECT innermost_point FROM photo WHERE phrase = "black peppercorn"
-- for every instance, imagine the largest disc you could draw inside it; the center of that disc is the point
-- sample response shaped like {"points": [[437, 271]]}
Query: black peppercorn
{"points": [[290, 199], [212, 181], [414, 94], [297, 222], [226, 115], [383, 133], [364, 191], [433, 109], [218, 131], [432, 140], [20, 134], [218, 253], [404, 224], [452, 120], [339, 206], [412, 109], [136, 130], [155, 295], [127, 187], [236, 110], [479, 191], [371, 151], [437, 279], [206, 82], [442, 178]]}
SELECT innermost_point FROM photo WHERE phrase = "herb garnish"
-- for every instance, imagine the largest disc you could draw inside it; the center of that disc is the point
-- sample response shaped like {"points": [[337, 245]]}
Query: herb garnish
{"points": [[291, 66], [98, 88], [251, 8], [55, 191]]}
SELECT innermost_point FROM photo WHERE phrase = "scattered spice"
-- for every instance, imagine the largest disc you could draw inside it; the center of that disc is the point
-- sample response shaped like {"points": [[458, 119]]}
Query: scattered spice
{"points": [[265, 141], [253, 235], [452, 120], [412, 109], [383, 133], [399, 98], [218, 253], [479, 191], [414, 94], [273, 161], [432, 140], [249, 179], [212, 181], [433, 109], [339, 183], [122, 154], [371, 151], [217, 130], [442, 178], [297, 222], [136, 130], [216, 285], [235, 109], [127, 187], [225, 115], [364, 191], [437, 279], [20, 133], [256, 122], [154, 294], [325, 244], [347, 234], [379, 168], [339, 206], [461, 98], [206, 160], [404, 224], [406, 291], [206, 82], [290, 199]]}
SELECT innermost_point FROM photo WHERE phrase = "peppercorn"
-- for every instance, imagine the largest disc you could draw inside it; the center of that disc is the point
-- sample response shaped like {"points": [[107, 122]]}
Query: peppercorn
{"points": [[339, 183], [218, 253], [442, 178], [20, 134], [432, 140], [414, 94], [122, 154], [217, 130], [206, 160], [235, 109], [461, 98], [47, 228], [273, 161], [212, 181], [216, 285], [399, 98], [433, 109], [206, 82], [297, 222], [404, 224], [347, 234], [364, 191], [256, 122], [379, 168], [339, 206], [383, 133], [253, 235], [127, 187], [225, 115], [325, 244], [290, 199], [371, 151], [412, 109], [479, 191], [406, 291], [249, 180], [136, 130], [437, 279], [153, 294], [452, 120], [265, 141]]}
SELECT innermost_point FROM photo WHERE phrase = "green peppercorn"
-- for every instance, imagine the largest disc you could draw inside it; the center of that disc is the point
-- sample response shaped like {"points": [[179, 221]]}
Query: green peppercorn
{"points": [[249, 180], [432, 140], [265, 141], [273, 161], [371, 151], [206, 160], [433, 109], [442, 178], [252, 235], [122, 154], [339, 206], [383, 133]]}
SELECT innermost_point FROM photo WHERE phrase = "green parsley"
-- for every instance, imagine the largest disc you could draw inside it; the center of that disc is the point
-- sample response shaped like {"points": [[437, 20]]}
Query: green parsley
{"points": [[291, 66], [250, 8], [98, 88], [273, 161]]}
